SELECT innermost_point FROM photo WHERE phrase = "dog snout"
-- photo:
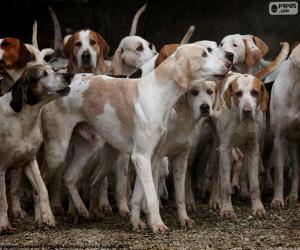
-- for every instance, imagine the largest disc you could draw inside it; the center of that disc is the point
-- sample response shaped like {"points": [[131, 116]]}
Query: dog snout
{"points": [[204, 108], [229, 56], [86, 57], [68, 77], [247, 112]]}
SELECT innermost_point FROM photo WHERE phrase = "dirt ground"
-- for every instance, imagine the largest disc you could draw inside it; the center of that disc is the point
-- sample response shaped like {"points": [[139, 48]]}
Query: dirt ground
{"points": [[280, 229]]}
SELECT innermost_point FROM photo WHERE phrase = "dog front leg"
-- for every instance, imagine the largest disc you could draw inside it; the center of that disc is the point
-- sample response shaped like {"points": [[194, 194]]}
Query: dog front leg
{"points": [[253, 165], [179, 166], [32, 172], [142, 165], [4, 221], [277, 201], [122, 168], [293, 196], [225, 168]]}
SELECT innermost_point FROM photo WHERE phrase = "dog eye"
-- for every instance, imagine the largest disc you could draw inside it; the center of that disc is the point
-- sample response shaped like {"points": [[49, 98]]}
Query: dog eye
{"points": [[221, 44], [204, 54], [140, 48], [209, 92], [239, 93], [78, 44], [209, 50], [5, 44], [234, 45], [45, 73], [194, 92], [254, 93], [92, 42]]}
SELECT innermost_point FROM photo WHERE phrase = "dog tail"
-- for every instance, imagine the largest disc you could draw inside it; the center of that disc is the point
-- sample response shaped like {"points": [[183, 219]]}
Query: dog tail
{"points": [[58, 41], [276, 63], [188, 35], [43, 54], [34, 35], [136, 19]]}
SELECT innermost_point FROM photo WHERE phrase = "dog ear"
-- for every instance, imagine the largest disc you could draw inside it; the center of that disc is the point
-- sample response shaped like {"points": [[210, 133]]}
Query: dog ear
{"points": [[263, 98], [182, 70], [295, 56], [164, 53], [116, 67], [104, 48], [252, 52], [18, 95], [227, 95], [68, 48], [217, 99], [181, 105], [25, 56], [263, 47]]}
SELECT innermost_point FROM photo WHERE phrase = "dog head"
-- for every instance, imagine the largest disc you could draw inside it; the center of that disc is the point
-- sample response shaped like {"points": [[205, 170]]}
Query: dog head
{"points": [[39, 84], [203, 99], [295, 56], [132, 53], [248, 94], [195, 64], [86, 50], [246, 49], [14, 54]]}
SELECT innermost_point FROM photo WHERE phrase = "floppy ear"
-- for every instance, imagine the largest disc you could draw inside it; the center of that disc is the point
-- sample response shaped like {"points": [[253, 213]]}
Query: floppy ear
{"points": [[25, 55], [227, 96], [164, 53], [252, 53], [104, 48], [295, 56], [217, 99], [181, 105], [116, 67], [18, 95], [263, 47], [182, 70], [68, 48], [263, 98]]}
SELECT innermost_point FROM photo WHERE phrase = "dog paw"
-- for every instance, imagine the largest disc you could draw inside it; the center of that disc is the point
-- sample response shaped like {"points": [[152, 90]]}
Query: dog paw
{"points": [[186, 223], [47, 220], [190, 206], [291, 199], [18, 214], [6, 228], [96, 214], [227, 213], [124, 212], [105, 208], [277, 203], [138, 225], [84, 213], [160, 228], [58, 210], [214, 204], [258, 212]]}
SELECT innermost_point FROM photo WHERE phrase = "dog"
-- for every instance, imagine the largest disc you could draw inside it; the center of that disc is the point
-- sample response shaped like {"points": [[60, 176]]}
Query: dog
{"points": [[123, 122], [86, 50], [284, 123], [20, 130], [244, 101]]}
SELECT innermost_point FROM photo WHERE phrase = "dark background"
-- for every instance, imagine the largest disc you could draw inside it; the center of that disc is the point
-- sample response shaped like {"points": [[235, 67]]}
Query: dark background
{"points": [[163, 21]]}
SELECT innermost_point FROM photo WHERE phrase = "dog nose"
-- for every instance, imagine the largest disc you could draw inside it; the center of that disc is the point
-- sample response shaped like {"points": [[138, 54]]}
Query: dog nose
{"points": [[204, 108], [247, 111], [86, 55], [229, 56]]}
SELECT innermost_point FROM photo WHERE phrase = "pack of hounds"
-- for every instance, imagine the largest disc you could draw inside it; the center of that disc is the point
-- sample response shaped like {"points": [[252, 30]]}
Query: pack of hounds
{"points": [[68, 122]]}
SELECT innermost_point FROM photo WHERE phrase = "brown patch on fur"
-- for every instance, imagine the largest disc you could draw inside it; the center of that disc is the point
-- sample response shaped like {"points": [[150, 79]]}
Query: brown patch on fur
{"points": [[252, 54], [230, 92], [264, 48], [164, 53], [263, 96], [121, 94]]}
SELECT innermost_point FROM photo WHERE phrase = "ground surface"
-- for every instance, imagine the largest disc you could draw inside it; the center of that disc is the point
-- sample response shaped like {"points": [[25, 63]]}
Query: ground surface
{"points": [[280, 229]]}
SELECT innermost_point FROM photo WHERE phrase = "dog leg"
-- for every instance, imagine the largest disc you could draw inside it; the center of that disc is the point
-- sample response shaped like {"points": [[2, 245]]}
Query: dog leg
{"points": [[103, 197], [32, 172], [189, 195], [277, 201], [179, 166], [253, 165], [15, 187], [225, 186], [5, 226], [293, 196], [122, 167], [142, 165], [238, 158], [55, 193]]}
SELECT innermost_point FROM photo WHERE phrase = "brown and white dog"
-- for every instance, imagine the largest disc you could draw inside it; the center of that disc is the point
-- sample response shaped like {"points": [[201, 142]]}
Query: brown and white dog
{"points": [[86, 50], [21, 134], [14, 57]]}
